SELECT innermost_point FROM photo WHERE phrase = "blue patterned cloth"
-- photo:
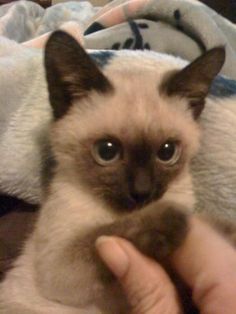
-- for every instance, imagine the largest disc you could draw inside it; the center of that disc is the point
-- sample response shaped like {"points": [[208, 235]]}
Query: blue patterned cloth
{"points": [[223, 87]]}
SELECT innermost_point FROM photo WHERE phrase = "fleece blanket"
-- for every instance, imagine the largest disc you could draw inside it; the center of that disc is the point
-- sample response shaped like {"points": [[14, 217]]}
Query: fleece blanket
{"points": [[183, 28]]}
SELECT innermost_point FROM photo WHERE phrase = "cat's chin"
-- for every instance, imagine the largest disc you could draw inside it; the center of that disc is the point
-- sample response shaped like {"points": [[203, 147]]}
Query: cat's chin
{"points": [[129, 205], [126, 203]]}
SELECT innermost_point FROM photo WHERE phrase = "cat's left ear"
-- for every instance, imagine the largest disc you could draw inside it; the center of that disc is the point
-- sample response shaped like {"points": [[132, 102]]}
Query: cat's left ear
{"points": [[70, 73], [194, 81]]}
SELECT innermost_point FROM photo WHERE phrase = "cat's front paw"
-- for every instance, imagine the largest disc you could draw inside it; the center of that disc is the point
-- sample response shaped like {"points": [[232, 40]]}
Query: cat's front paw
{"points": [[161, 233], [156, 232]]}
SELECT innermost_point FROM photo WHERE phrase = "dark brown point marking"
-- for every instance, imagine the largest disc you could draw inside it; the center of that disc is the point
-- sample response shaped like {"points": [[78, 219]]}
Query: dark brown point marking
{"points": [[194, 81], [130, 183], [70, 72]]}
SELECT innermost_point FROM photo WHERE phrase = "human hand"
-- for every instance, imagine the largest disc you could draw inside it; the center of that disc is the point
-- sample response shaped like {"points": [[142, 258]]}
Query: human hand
{"points": [[206, 262]]}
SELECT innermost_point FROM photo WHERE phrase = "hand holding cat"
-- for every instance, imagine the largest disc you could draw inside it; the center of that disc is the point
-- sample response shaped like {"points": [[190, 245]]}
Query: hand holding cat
{"points": [[205, 261]]}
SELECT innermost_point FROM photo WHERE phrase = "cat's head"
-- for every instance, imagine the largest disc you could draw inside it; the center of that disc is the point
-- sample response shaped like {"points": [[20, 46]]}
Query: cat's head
{"points": [[127, 131]]}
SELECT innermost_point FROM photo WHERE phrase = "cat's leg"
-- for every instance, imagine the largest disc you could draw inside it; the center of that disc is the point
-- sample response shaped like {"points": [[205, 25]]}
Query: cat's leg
{"points": [[16, 310], [71, 272], [157, 232], [19, 293], [19, 309], [23, 304]]}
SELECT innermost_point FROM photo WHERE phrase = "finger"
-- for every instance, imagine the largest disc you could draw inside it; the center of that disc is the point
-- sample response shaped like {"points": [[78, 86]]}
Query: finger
{"points": [[147, 286], [207, 263]]}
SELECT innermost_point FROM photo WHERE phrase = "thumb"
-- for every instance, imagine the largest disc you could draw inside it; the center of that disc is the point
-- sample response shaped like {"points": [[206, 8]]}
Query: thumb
{"points": [[145, 283]]}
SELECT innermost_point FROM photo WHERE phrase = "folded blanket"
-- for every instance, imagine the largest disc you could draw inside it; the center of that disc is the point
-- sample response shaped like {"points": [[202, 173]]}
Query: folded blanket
{"points": [[181, 27], [184, 28]]}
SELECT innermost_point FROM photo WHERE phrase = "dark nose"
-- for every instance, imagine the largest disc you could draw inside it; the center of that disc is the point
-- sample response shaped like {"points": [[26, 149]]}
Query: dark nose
{"points": [[141, 187], [140, 198]]}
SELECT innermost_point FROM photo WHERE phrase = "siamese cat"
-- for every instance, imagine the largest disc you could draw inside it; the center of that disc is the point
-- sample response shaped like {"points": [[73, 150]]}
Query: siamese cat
{"points": [[123, 134]]}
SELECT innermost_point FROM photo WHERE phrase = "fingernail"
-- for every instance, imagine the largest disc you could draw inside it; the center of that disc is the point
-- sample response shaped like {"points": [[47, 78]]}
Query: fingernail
{"points": [[113, 255]]}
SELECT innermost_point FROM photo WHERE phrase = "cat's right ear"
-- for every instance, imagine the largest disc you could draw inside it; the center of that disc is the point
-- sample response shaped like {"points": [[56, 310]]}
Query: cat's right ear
{"points": [[70, 73], [194, 81]]}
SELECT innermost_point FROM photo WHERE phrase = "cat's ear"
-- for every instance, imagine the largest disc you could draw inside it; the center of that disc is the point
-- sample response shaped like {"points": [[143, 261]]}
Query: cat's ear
{"points": [[70, 73], [194, 81]]}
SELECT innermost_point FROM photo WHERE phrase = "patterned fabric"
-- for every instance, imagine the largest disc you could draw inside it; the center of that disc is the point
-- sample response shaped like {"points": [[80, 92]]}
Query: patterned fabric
{"points": [[183, 28]]}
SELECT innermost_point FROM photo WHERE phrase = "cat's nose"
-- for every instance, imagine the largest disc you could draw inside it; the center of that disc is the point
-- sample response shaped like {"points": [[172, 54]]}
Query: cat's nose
{"points": [[142, 187], [141, 198]]}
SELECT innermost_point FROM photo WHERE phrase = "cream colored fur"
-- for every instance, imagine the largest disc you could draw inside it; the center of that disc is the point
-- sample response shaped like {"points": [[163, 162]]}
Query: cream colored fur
{"points": [[214, 166]]}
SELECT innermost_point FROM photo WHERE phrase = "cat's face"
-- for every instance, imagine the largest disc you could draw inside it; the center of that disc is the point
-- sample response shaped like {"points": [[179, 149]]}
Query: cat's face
{"points": [[123, 135]]}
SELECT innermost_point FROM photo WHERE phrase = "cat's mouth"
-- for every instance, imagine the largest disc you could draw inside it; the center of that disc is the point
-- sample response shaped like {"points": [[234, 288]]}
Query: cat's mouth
{"points": [[130, 204], [139, 201]]}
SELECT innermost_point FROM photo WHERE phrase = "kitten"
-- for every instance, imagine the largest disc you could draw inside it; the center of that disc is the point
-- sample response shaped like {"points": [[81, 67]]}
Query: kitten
{"points": [[122, 138]]}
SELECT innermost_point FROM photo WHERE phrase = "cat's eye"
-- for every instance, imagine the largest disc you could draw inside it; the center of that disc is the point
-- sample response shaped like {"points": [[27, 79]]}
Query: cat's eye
{"points": [[106, 152], [169, 152]]}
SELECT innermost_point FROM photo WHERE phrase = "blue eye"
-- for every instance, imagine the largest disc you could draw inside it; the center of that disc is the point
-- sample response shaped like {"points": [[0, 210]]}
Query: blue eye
{"points": [[169, 153], [106, 152]]}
